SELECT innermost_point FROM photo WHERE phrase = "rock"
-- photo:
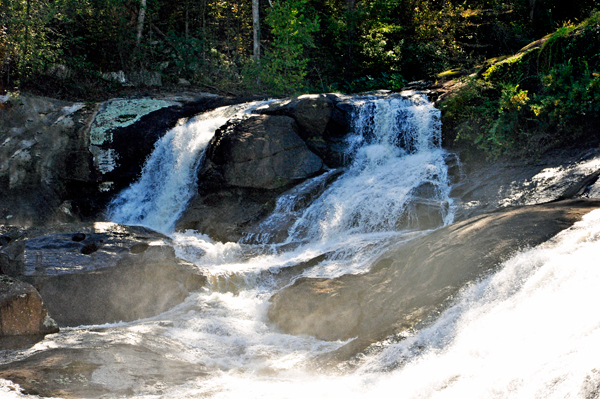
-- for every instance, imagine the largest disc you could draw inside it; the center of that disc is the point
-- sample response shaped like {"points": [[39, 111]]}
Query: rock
{"points": [[323, 121], [117, 273], [76, 156], [481, 187], [43, 150], [140, 121], [109, 370], [12, 262], [415, 279], [248, 164], [22, 311], [263, 152]]}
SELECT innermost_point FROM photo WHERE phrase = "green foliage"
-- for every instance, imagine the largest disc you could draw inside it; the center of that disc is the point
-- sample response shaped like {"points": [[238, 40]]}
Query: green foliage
{"points": [[499, 116], [284, 66], [513, 69]]}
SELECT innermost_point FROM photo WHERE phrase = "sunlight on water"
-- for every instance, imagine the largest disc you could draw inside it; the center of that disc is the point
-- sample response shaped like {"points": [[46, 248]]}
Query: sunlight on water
{"points": [[528, 331]]}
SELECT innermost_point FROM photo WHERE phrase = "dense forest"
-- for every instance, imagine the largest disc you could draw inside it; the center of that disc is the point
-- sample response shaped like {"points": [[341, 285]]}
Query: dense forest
{"points": [[275, 47]]}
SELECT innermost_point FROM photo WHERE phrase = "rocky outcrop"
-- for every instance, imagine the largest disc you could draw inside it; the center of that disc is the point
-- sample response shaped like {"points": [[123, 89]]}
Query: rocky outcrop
{"points": [[104, 272], [263, 152], [484, 186], [248, 164], [323, 121], [61, 162], [22, 311], [109, 370], [251, 161], [414, 280]]}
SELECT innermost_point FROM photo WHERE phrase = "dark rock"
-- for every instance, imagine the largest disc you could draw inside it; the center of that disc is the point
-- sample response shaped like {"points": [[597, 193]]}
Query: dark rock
{"points": [[4, 239], [90, 248], [22, 311], [415, 279], [139, 248], [78, 237], [12, 262], [248, 164], [323, 120], [263, 152]]}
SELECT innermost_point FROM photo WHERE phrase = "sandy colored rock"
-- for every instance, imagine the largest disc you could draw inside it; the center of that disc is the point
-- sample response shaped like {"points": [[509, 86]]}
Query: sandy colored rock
{"points": [[22, 311], [412, 281]]}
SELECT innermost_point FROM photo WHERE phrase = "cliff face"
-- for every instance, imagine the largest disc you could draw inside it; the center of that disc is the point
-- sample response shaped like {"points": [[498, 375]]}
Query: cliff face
{"points": [[62, 162]]}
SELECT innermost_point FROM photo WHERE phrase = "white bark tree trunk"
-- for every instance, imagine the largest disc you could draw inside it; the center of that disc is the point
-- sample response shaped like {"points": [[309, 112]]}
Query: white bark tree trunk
{"points": [[256, 29], [140, 24]]}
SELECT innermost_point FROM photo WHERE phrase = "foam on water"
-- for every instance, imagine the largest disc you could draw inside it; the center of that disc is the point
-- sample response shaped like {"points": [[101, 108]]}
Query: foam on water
{"points": [[528, 331]]}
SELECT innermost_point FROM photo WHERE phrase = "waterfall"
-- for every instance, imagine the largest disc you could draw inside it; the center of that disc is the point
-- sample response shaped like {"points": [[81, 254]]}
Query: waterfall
{"points": [[396, 151], [168, 178], [528, 330]]}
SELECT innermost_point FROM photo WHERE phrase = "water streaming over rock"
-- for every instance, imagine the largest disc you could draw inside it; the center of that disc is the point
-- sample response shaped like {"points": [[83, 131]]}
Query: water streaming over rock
{"points": [[396, 184]]}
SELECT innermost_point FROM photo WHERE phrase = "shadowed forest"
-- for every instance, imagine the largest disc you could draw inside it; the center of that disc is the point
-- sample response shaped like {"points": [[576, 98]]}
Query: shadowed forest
{"points": [[301, 45]]}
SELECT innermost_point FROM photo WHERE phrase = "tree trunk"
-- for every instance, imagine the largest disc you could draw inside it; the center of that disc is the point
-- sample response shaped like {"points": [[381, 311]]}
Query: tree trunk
{"points": [[256, 29], [140, 24], [187, 20]]}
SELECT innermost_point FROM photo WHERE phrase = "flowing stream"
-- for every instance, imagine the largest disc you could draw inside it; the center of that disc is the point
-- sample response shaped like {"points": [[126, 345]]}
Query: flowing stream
{"points": [[528, 331]]}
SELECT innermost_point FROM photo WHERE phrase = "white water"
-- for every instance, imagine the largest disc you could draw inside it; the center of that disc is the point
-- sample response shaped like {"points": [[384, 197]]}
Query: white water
{"points": [[168, 182], [529, 331]]}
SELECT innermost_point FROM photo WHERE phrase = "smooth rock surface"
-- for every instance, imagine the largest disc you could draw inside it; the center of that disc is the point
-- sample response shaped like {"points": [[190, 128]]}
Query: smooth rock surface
{"points": [[248, 164], [414, 280], [114, 370], [263, 152], [323, 120], [115, 273], [484, 186]]}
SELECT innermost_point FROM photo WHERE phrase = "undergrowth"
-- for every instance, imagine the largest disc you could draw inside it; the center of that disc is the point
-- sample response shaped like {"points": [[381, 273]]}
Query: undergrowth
{"points": [[539, 99]]}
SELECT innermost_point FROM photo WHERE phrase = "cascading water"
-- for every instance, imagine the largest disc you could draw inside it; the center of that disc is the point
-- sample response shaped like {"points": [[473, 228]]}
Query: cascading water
{"points": [[167, 183], [396, 180]]}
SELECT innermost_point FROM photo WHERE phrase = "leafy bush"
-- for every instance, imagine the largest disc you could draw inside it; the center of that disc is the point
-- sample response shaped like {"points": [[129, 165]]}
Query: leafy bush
{"points": [[536, 100]]}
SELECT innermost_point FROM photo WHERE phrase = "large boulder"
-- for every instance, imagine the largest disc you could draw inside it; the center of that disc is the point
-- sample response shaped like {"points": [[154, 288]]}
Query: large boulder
{"points": [[414, 280], [22, 311], [263, 152], [104, 272], [323, 120], [249, 163]]}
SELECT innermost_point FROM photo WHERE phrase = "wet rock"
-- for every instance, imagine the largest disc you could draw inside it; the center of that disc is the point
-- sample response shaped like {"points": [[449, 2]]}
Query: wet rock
{"points": [[12, 262], [61, 162], [557, 175], [22, 311], [114, 370], [414, 280], [78, 237], [263, 152], [116, 281], [323, 122], [248, 164]]}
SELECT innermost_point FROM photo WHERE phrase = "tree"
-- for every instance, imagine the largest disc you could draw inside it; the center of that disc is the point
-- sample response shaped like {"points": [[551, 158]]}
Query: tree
{"points": [[256, 29], [292, 31]]}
